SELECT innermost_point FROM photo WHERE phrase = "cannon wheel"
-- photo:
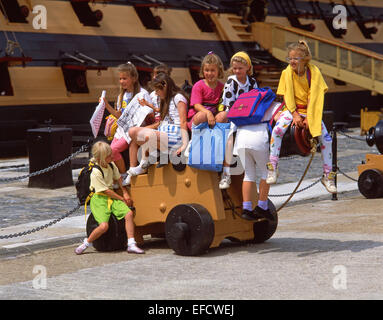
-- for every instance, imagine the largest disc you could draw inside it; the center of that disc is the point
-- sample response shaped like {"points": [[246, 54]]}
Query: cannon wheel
{"points": [[264, 230], [189, 229], [370, 183], [114, 239]]}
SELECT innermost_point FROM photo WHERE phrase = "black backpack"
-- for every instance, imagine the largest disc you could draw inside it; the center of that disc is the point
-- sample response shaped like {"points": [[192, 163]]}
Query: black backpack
{"points": [[83, 182]]}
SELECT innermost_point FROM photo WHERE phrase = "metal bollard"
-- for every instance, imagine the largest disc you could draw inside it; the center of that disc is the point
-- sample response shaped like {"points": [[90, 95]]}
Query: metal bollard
{"points": [[336, 126], [46, 147]]}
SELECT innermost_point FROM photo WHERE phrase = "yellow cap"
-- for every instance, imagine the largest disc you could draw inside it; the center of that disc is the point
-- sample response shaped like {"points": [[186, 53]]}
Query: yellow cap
{"points": [[243, 55]]}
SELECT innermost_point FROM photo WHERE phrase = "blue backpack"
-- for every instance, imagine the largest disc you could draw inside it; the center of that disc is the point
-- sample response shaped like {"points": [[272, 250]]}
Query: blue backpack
{"points": [[250, 107]]}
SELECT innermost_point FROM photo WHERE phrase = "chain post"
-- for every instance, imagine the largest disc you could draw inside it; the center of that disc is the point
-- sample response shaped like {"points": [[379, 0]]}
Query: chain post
{"points": [[334, 158]]}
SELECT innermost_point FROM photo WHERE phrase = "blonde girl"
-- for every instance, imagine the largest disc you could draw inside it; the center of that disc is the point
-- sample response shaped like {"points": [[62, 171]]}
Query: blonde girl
{"points": [[240, 81], [129, 88], [206, 93], [302, 87], [106, 201]]}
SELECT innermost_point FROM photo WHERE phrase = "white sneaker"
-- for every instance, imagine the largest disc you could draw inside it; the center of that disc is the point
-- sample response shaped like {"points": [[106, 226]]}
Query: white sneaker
{"points": [[134, 249], [126, 181], [329, 182], [82, 247], [135, 171], [272, 174], [225, 181]]}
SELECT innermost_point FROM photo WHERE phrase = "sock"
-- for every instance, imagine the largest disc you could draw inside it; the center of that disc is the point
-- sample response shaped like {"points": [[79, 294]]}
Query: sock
{"points": [[247, 205], [226, 171], [263, 204], [86, 242], [131, 241]]}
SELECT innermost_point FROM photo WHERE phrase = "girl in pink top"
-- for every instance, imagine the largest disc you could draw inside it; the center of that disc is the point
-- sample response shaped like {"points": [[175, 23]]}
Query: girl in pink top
{"points": [[206, 93]]}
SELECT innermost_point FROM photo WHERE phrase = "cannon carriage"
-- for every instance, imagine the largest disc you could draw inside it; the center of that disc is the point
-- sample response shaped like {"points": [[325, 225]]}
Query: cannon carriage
{"points": [[370, 181], [186, 207]]}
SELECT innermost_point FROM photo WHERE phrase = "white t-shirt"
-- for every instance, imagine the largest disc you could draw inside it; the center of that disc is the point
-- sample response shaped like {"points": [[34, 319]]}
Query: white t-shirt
{"points": [[255, 136], [173, 117]]}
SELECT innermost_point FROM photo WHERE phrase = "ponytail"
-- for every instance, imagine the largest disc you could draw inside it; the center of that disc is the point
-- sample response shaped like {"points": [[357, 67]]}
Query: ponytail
{"points": [[302, 46]]}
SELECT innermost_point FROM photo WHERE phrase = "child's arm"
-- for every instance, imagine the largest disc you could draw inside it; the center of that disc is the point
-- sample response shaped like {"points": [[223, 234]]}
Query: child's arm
{"points": [[111, 110], [143, 102], [209, 114], [125, 195], [182, 110]]}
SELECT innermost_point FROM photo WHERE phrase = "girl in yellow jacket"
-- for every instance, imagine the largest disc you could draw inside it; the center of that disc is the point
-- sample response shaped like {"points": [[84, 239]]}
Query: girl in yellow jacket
{"points": [[302, 87]]}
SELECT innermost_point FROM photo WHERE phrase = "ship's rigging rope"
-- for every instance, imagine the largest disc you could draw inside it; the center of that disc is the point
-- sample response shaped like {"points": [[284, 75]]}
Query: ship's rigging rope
{"points": [[11, 44]]}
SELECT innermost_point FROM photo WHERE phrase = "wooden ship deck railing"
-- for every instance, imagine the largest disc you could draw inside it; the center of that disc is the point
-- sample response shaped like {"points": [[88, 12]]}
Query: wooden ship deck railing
{"points": [[335, 59]]}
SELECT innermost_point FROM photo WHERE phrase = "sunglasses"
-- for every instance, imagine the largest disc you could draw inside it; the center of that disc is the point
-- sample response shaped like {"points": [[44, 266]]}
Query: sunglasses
{"points": [[294, 59]]}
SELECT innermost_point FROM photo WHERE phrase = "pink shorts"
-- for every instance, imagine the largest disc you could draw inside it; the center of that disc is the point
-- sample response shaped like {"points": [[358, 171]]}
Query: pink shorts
{"points": [[118, 146]]}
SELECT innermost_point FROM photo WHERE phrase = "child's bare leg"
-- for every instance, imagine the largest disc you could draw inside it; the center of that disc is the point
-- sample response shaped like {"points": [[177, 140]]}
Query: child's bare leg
{"points": [[247, 188], [98, 232], [133, 150], [129, 227], [120, 163], [263, 205], [263, 190], [95, 234], [247, 204], [199, 117], [221, 117], [146, 140]]}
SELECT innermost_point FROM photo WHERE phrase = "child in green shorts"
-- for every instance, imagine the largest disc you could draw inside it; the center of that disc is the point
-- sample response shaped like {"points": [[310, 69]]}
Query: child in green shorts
{"points": [[105, 201]]}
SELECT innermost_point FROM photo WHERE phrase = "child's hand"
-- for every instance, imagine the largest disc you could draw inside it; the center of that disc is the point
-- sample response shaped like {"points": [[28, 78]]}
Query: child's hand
{"points": [[143, 102], [128, 201], [210, 119], [297, 120]]}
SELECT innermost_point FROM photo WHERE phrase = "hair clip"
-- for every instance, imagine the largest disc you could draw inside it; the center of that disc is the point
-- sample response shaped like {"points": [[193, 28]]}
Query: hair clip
{"points": [[210, 52]]}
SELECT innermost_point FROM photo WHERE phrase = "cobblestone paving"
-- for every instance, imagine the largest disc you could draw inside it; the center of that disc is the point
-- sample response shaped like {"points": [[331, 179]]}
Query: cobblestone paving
{"points": [[21, 207]]}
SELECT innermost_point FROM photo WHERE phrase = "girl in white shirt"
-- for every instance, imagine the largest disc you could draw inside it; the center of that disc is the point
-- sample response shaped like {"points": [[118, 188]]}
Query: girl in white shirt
{"points": [[170, 134]]}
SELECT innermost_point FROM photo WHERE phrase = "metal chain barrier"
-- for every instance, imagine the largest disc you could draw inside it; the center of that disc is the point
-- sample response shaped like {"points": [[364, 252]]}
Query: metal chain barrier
{"points": [[301, 190], [55, 166], [62, 162], [347, 176], [354, 138], [351, 137], [19, 234]]}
